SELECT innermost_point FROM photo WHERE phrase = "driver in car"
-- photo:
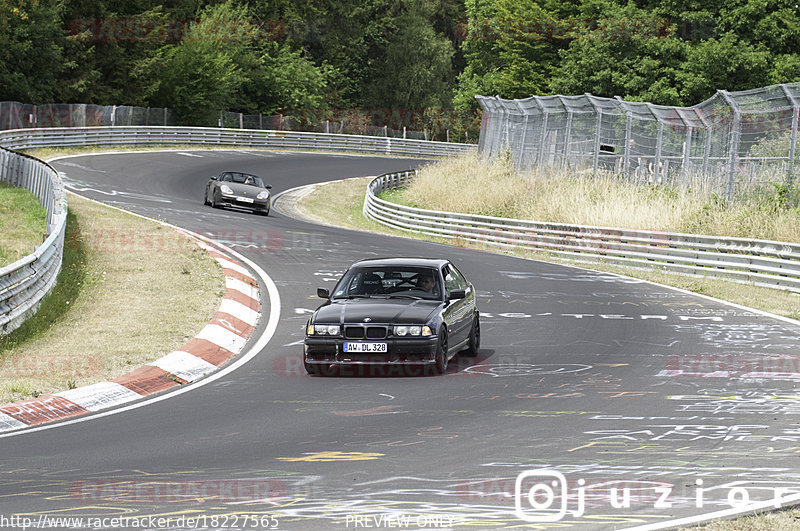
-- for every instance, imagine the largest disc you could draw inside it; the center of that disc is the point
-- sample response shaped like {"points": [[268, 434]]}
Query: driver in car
{"points": [[426, 283]]}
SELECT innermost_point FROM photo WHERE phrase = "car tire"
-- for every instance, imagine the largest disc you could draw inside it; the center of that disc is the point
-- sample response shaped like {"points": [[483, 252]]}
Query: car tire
{"points": [[205, 199], [474, 344], [214, 203], [311, 368], [441, 359]]}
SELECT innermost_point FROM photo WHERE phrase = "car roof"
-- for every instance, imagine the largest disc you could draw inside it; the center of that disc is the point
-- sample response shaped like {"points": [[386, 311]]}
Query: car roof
{"points": [[434, 263]]}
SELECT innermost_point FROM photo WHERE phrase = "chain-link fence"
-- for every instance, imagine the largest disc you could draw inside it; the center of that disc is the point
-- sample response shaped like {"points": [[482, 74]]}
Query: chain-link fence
{"points": [[729, 142], [419, 124], [15, 115]]}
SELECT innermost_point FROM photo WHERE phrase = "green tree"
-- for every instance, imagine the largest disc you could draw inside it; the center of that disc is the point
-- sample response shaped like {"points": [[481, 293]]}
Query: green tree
{"points": [[511, 47], [283, 79], [108, 41], [416, 70], [31, 40], [726, 63], [200, 76], [226, 62], [622, 51]]}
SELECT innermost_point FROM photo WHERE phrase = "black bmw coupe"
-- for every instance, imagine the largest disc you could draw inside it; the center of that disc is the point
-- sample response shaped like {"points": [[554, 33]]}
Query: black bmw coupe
{"points": [[411, 313]]}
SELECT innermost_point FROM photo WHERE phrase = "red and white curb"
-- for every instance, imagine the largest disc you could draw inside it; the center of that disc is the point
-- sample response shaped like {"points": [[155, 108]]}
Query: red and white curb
{"points": [[222, 338]]}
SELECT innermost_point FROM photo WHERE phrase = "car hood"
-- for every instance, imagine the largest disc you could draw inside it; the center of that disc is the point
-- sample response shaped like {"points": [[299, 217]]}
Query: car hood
{"points": [[379, 311], [246, 190]]}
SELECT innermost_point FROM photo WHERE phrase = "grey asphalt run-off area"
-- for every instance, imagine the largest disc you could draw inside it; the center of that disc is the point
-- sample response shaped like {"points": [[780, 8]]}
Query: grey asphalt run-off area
{"points": [[597, 401]]}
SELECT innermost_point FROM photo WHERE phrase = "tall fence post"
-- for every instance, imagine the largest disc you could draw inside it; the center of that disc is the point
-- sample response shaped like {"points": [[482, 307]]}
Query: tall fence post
{"points": [[793, 137], [598, 124], [543, 140], [659, 145], [506, 126], [524, 134], [734, 143], [567, 133], [687, 142], [707, 144], [626, 165]]}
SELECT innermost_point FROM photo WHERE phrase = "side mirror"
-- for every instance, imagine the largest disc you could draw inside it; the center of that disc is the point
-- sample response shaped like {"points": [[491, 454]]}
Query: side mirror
{"points": [[268, 187], [323, 293], [214, 177], [458, 294]]}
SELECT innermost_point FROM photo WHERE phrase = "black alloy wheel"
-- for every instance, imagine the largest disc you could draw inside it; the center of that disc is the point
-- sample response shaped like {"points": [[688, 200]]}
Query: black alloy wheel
{"points": [[474, 344], [441, 353]]}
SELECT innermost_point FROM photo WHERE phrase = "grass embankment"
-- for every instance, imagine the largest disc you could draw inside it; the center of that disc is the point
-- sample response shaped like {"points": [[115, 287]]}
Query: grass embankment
{"points": [[130, 291], [22, 223], [497, 190]]}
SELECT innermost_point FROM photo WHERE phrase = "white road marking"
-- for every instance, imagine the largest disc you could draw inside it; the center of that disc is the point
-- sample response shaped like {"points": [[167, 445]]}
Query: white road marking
{"points": [[100, 395], [240, 311], [184, 365], [241, 287]]}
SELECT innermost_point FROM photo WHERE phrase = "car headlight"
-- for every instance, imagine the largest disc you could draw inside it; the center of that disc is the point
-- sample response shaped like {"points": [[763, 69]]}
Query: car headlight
{"points": [[322, 330], [263, 195], [412, 330], [225, 189]]}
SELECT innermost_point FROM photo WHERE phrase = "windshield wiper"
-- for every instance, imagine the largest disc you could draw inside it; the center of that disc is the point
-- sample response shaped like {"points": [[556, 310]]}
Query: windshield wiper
{"points": [[396, 296], [361, 296]]}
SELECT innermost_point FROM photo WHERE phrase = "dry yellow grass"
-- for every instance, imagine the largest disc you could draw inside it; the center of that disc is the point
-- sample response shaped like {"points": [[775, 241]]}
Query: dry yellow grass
{"points": [[145, 291], [473, 185], [782, 520]]}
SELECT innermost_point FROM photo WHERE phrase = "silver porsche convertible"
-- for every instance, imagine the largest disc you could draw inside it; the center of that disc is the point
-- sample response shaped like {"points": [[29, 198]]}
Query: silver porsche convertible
{"points": [[237, 189]]}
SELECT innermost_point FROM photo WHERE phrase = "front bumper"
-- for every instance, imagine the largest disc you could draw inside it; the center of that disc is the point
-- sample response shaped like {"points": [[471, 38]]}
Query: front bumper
{"points": [[410, 352], [261, 205]]}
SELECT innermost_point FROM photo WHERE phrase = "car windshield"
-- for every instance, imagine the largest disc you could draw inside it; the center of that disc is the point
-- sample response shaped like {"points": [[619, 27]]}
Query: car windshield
{"points": [[244, 178], [390, 282]]}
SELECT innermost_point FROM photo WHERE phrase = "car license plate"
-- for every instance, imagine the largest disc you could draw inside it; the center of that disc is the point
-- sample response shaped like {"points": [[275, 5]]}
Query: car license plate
{"points": [[244, 199], [365, 347]]}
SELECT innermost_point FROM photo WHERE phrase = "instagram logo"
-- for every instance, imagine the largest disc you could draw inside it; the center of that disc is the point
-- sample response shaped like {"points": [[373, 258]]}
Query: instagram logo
{"points": [[541, 489]]}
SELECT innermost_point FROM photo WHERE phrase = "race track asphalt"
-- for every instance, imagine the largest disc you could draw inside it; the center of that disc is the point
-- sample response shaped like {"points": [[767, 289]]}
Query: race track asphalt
{"points": [[642, 403]]}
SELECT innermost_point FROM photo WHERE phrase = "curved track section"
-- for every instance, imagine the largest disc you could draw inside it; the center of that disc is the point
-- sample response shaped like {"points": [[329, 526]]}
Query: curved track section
{"points": [[629, 404]]}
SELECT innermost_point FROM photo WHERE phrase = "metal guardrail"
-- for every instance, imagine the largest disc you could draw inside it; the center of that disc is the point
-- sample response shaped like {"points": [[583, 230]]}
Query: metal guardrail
{"points": [[182, 136], [759, 262], [24, 283]]}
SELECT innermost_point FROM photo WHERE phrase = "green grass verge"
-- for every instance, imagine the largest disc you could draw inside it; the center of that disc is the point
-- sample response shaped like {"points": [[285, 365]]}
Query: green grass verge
{"points": [[56, 304], [130, 291], [22, 223]]}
